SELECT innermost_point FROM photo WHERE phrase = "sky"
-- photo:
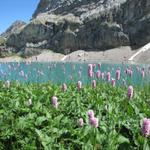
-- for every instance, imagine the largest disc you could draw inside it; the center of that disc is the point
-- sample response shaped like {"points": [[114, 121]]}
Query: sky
{"points": [[12, 10]]}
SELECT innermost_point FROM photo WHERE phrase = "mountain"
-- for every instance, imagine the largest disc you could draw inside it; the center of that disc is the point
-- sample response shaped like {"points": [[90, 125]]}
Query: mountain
{"points": [[15, 27], [69, 25]]}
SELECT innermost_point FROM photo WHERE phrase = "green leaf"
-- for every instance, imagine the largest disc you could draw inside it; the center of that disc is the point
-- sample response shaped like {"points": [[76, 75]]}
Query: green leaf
{"points": [[44, 139], [40, 120], [146, 145], [122, 139], [2, 111]]}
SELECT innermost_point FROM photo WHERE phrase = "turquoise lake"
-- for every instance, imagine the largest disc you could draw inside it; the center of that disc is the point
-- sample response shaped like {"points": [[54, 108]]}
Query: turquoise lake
{"points": [[68, 72]]}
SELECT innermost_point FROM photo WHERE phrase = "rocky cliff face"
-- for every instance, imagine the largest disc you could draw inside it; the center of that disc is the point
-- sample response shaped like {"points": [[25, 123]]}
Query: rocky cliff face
{"points": [[15, 27], [69, 25], [135, 19]]}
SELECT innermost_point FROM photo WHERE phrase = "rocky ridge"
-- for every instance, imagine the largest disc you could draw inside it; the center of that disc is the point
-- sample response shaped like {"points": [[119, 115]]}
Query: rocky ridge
{"points": [[15, 27], [69, 25]]}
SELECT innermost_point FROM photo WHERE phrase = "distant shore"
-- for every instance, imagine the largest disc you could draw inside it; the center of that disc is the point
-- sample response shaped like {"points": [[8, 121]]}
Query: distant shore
{"points": [[116, 55]]}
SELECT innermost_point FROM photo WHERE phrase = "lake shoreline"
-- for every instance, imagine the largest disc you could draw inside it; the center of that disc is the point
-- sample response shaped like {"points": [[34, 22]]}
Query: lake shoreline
{"points": [[116, 55]]}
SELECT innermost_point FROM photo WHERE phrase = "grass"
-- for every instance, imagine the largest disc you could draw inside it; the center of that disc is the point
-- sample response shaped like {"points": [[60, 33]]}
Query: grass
{"points": [[41, 126]]}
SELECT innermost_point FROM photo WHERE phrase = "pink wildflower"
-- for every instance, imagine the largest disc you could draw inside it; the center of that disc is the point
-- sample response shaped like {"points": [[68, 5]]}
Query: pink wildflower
{"points": [[55, 101], [143, 73], [146, 127], [113, 82], [98, 74], [108, 76], [90, 113], [130, 73], [94, 122], [130, 91], [99, 65], [94, 83], [90, 67], [64, 87], [90, 70], [93, 65], [90, 73], [118, 74], [79, 85], [81, 122]]}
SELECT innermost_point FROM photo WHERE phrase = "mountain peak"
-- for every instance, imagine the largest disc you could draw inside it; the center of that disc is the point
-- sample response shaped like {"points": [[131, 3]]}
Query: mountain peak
{"points": [[14, 27]]}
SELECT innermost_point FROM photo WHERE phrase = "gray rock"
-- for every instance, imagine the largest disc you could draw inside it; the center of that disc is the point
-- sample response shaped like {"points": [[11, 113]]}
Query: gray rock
{"points": [[135, 19], [15, 27], [69, 25]]}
